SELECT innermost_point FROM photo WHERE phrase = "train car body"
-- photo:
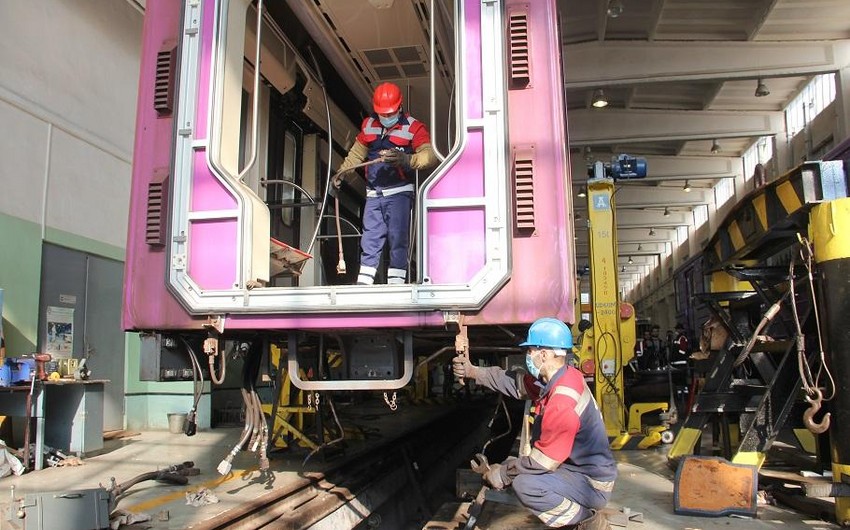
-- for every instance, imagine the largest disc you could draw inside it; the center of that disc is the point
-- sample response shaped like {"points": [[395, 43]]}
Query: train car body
{"points": [[232, 228]]}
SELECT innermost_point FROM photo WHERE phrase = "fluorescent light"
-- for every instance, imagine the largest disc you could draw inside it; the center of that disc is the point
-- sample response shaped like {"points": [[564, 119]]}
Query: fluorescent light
{"points": [[615, 8], [599, 100]]}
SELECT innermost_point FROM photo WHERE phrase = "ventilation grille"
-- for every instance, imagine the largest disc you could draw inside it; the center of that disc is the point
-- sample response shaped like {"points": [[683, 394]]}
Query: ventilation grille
{"points": [[520, 64], [397, 63], [154, 225], [163, 92], [524, 192]]}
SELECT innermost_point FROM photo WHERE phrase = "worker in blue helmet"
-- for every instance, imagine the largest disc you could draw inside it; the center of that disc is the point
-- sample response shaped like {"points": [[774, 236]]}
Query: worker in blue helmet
{"points": [[565, 472]]}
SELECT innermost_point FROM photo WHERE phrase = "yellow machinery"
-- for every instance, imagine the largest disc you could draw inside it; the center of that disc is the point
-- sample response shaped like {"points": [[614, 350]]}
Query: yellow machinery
{"points": [[603, 343], [608, 346], [292, 412]]}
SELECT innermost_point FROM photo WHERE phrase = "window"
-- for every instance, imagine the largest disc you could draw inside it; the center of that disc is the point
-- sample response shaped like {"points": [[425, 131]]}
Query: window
{"points": [[700, 215], [810, 102], [723, 191], [758, 153], [681, 234]]}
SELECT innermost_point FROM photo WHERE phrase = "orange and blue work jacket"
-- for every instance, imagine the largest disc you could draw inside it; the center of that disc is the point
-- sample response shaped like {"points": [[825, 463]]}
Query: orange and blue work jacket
{"points": [[407, 135]]}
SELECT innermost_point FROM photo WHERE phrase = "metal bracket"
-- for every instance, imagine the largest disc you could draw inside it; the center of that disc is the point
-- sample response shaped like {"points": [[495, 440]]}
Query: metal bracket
{"points": [[624, 516], [215, 322]]}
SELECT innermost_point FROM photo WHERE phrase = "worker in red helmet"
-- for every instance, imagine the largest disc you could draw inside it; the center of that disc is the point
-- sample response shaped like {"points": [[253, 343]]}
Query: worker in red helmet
{"points": [[564, 472], [403, 145]]}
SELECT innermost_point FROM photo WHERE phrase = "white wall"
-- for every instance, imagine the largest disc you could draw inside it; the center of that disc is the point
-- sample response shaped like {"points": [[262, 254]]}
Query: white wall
{"points": [[68, 85]]}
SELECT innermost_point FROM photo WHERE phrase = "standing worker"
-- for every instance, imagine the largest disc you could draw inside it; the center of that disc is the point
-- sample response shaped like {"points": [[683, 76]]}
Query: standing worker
{"points": [[404, 145], [565, 472]]}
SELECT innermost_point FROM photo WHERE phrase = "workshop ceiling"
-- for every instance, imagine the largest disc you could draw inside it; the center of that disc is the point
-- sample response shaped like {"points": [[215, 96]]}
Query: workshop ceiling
{"points": [[680, 75]]}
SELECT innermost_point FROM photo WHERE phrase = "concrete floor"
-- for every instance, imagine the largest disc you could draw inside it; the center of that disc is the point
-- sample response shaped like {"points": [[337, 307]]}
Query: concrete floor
{"points": [[644, 485], [150, 451]]}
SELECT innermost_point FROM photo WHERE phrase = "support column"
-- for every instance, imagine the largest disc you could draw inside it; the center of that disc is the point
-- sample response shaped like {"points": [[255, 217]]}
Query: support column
{"points": [[842, 103]]}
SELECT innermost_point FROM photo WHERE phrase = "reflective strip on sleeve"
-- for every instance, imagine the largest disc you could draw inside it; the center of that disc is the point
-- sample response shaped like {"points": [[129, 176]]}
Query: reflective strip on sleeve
{"points": [[549, 463]]}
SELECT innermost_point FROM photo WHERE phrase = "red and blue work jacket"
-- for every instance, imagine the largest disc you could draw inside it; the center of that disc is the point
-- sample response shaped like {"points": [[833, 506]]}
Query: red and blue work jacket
{"points": [[407, 135]]}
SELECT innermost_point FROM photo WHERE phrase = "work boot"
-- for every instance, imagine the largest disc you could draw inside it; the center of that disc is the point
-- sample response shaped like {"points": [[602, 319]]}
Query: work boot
{"points": [[597, 521]]}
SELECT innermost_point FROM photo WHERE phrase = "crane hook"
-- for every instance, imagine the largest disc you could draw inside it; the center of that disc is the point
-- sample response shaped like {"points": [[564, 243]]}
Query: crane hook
{"points": [[808, 415]]}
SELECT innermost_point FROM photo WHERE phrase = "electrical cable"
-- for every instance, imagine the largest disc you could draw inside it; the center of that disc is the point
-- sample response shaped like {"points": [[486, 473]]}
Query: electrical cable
{"points": [[501, 404]]}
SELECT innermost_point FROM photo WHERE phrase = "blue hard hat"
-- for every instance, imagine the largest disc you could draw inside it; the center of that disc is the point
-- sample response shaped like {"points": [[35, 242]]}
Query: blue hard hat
{"points": [[549, 333]]}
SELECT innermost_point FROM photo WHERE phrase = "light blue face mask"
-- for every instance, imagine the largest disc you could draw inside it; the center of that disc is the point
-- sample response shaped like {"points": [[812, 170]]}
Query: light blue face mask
{"points": [[533, 370], [389, 122]]}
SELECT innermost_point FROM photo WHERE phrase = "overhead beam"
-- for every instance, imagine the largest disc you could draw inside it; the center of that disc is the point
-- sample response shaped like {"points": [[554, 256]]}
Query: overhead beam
{"points": [[660, 168], [608, 64], [608, 126]]}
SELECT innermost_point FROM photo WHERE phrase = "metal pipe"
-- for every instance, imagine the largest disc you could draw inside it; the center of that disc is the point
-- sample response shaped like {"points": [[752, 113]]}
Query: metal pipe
{"points": [[330, 151], [433, 84], [255, 111]]}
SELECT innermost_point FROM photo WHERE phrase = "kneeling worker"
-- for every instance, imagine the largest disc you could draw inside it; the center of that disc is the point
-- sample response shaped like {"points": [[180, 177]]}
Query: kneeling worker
{"points": [[565, 472]]}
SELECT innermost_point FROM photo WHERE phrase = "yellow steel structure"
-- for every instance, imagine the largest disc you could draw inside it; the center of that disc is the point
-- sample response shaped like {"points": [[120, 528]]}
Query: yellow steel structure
{"points": [[292, 414], [606, 341]]}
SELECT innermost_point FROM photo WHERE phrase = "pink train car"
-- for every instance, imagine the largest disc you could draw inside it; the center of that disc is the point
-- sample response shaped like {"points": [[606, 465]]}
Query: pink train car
{"points": [[233, 234]]}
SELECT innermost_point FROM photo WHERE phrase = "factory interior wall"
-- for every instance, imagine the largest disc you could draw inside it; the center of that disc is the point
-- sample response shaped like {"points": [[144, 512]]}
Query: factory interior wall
{"points": [[68, 105]]}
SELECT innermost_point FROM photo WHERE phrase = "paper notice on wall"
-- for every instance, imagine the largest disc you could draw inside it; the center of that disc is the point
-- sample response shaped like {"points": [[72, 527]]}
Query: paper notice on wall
{"points": [[60, 331]]}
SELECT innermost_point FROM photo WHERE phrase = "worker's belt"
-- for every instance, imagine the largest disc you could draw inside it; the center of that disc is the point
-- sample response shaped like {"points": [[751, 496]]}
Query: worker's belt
{"points": [[386, 192]]}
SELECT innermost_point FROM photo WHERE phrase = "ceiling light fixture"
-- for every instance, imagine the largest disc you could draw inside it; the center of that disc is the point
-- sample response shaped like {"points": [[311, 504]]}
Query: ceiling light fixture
{"points": [[715, 147], [588, 154], [666, 212], [623, 269], [640, 247], [687, 187], [652, 231], [630, 260], [582, 192], [615, 8], [599, 100], [761, 89]]}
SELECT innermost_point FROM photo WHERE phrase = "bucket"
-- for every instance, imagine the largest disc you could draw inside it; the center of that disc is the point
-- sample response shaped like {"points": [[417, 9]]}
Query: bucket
{"points": [[176, 422]]}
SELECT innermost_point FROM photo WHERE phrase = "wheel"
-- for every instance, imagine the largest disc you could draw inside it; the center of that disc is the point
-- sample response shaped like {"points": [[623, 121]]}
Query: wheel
{"points": [[667, 437]]}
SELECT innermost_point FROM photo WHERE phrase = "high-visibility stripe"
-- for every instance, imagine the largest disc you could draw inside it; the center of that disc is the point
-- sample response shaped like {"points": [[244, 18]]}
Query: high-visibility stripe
{"points": [[366, 275], [549, 463], [561, 514], [607, 485], [760, 204], [736, 236], [788, 197], [582, 400], [402, 131]]}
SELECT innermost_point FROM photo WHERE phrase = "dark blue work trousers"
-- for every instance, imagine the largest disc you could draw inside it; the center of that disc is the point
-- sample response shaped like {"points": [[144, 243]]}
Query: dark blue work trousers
{"points": [[386, 219]]}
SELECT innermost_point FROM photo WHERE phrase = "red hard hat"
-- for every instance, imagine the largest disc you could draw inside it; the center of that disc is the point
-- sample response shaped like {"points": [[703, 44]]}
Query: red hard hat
{"points": [[387, 98]]}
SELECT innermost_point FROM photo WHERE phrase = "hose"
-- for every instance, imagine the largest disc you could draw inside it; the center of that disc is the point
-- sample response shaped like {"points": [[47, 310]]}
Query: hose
{"points": [[217, 379]]}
